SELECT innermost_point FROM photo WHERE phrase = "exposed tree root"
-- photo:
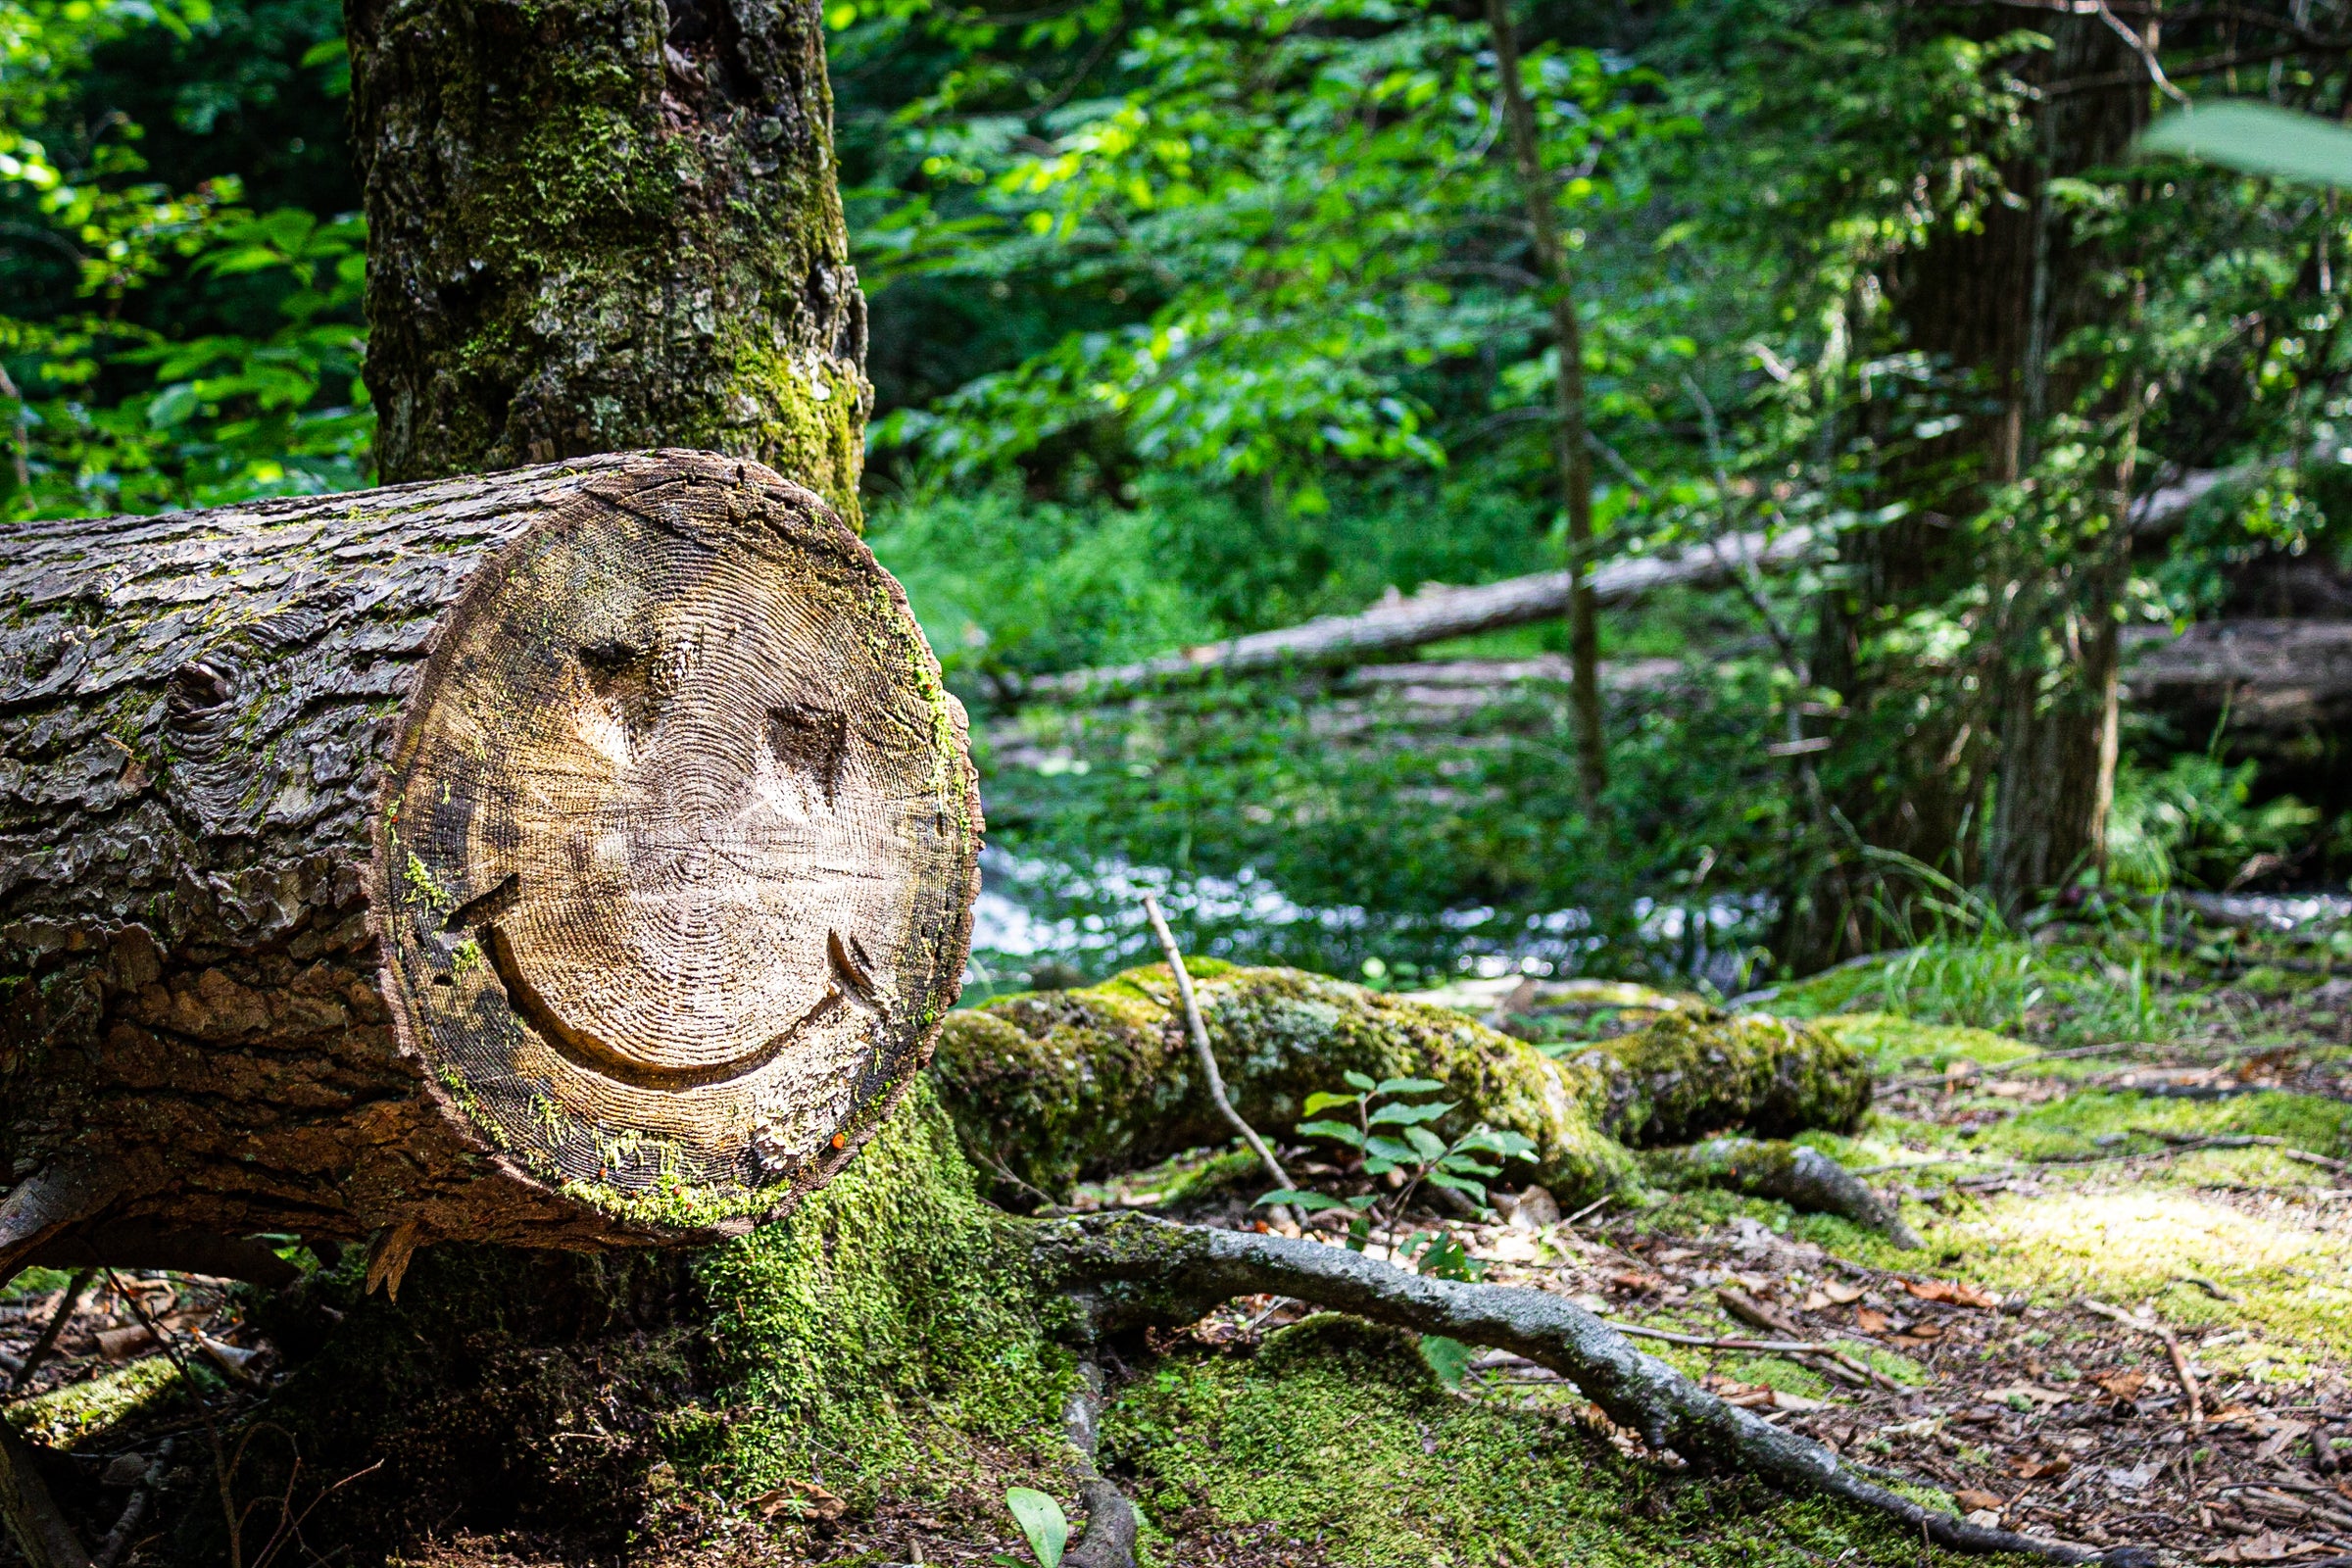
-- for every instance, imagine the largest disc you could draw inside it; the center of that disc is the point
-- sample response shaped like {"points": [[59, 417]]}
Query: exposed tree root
{"points": [[1109, 1539], [1133, 1272], [1802, 1178]]}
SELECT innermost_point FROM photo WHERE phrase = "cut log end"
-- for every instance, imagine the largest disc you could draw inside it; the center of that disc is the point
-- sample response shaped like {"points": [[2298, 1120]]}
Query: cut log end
{"points": [[580, 855], [676, 852]]}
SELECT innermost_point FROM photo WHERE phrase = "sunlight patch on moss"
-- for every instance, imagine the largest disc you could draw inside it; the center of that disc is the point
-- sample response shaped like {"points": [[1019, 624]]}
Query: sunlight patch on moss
{"points": [[2125, 1245], [79, 1412]]}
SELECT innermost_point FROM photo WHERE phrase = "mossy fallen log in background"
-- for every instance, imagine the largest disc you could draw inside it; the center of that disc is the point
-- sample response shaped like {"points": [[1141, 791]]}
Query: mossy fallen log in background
{"points": [[1052, 1088]]}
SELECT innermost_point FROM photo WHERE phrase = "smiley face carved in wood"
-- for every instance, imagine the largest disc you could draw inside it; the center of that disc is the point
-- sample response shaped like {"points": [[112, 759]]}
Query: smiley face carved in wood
{"points": [[678, 829]]}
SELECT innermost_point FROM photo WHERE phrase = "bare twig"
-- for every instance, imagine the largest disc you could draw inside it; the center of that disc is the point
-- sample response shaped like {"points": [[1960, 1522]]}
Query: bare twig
{"points": [[1822, 1348], [2172, 1347], [56, 1325], [1201, 1047]]}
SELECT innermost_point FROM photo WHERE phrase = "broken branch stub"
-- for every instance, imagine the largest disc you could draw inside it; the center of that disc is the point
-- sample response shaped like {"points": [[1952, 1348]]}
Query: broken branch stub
{"points": [[581, 856]]}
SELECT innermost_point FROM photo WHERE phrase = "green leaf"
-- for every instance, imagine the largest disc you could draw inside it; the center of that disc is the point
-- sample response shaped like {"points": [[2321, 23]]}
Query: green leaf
{"points": [[1041, 1520], [1375, 1165], [1310, 1202], [1403, 1115], [1390, 1149], [1439, 1178], [1364, 1200], [2259, 139], [1401, 1086], [1510, 1145], [1426, 1144], [1325, 1100], [1358, 1082], [1447, 1358], [1338, 1130], [1464, 1164]]}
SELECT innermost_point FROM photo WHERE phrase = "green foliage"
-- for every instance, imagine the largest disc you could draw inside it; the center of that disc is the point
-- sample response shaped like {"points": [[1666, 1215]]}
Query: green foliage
{"points": [[2195, 822], [2257, 138], [1042, 1523], [1392, 1134], [190, 350]]}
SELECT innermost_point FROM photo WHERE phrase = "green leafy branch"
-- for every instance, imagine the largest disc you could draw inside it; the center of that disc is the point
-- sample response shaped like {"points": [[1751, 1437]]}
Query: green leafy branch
{"points": [[1391, 1133]]}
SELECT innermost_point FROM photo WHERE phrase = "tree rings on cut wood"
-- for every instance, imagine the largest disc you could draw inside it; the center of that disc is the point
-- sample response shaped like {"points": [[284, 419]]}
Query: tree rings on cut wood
{"points": [[680, 854], [577, 855]]}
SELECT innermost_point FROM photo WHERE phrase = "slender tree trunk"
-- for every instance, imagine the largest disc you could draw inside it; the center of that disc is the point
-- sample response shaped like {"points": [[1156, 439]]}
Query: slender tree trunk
{"points": [[603, 224], [2061, 666], [1571, 452]]}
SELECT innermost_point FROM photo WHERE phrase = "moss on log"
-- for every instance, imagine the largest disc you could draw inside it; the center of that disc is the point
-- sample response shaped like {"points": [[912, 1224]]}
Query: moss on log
{"points": [[1050, 1088]]}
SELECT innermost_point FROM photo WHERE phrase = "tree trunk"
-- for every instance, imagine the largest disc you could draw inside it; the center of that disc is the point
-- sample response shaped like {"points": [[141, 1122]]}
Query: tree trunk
{"points": [[603, 225], [575, 857], [1569, 434], [1995, 303]]}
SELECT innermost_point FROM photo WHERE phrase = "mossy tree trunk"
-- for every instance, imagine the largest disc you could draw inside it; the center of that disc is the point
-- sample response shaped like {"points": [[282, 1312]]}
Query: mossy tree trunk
{"points": [[603, 224]]}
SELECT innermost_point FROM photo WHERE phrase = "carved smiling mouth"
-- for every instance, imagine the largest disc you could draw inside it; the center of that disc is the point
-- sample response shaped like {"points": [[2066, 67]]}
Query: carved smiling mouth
{"points": [[847, 984]]}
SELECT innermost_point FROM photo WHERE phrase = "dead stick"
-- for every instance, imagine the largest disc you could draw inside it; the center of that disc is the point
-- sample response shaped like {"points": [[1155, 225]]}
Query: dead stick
{"points": [[2172, 1347], [1201, 1048], [56, 1325], [1813, 1347]]}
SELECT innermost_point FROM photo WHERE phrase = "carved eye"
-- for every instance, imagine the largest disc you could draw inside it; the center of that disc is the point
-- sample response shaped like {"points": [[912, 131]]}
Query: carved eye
{"points": [[809, 741]]}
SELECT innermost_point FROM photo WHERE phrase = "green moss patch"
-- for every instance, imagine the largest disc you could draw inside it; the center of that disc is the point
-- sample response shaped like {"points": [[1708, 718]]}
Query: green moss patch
{"points": [[2072, 1128], [883, 1336], [1337, 1435], [1893, 1044], [67, 1417]]}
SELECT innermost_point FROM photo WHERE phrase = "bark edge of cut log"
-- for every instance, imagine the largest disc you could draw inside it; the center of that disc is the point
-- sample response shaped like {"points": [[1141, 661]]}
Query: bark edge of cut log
{"points": [[582, 856]]}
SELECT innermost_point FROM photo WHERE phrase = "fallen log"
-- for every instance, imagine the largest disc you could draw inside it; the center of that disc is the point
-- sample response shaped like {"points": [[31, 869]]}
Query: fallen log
{"points": [[1440, 613], [576, 857], [1434, 615], [2272, 677], [1048, 1087]]}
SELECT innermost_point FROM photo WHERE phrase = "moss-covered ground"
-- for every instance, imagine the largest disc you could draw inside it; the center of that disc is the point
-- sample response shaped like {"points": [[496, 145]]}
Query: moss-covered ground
{"points": [[860, 1384]]}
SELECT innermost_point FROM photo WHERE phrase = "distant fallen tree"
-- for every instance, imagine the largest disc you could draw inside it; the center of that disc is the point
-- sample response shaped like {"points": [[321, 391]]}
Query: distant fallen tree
{"points": [[1432, 615], [1440, 613]]}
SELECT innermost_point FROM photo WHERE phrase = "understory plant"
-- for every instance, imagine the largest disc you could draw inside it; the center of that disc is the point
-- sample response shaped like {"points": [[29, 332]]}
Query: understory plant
{"points": [[1392, 1140]]}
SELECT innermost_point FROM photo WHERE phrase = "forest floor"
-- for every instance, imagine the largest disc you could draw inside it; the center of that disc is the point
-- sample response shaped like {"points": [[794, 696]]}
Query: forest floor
{"points": [[2131, 1321]]}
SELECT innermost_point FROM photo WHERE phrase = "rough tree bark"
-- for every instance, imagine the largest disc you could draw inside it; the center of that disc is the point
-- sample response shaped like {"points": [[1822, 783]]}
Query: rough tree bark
{"points": [[577, 858], [1995, 303], [602, 225]]}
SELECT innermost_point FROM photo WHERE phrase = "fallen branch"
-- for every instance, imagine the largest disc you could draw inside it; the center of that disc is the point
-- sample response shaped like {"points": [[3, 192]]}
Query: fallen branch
{"points": [[1802, 1177], [1210, 1078], [1434, 615], [2182, 1372], [1136, 1271]]}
